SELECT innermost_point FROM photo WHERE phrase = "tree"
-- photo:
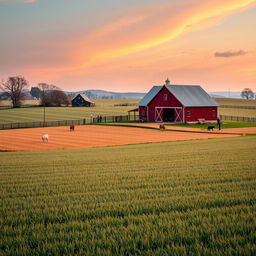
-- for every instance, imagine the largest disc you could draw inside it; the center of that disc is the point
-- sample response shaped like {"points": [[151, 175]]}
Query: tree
{"points": [[14, 88], [58, 98], [247, 93], [52, 95], [35, 92], [44, 93]]}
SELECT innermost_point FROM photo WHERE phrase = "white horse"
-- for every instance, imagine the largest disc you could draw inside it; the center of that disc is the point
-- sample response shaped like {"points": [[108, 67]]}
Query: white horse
{"points": [[45, 137]]}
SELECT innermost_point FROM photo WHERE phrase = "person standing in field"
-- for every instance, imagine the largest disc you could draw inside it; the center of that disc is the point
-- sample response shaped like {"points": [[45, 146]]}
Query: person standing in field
{"points": [[219, 123]]}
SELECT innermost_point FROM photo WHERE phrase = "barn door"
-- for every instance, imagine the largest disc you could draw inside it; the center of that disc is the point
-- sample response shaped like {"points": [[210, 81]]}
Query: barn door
{"points": [[178, 115], [158, 115]]}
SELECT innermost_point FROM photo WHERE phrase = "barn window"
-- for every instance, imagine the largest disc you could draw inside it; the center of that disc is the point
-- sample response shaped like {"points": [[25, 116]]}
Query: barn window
{"points": [[143, 112], [188, 113], [213, 113], [165, 97]]}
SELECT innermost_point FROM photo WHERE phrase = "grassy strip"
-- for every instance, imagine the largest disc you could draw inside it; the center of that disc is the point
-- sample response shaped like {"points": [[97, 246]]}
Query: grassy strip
{"points": [[168, 130], [224, 125]]}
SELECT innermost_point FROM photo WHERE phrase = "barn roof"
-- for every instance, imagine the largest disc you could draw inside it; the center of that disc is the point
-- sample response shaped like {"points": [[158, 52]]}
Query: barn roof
{"points": [[187, 95], [192, 96], [84, 96], [150, 95]]}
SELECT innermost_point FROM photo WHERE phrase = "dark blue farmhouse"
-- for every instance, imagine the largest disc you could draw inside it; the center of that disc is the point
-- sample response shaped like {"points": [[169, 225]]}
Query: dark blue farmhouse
{"points": [[81, 100]]}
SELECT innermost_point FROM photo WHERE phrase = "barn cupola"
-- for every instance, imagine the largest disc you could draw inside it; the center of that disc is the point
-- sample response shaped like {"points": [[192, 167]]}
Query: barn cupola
{"points": [[167, 81]]}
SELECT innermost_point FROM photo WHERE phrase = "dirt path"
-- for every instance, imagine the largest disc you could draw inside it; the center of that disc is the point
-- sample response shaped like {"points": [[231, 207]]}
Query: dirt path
{"points": [[89, 136]]}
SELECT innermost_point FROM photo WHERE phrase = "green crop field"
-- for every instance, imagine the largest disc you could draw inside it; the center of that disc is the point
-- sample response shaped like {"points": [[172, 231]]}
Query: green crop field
{"points": [[236, 102], [7, 103], [174, 198], [241, 112], [30, 114], [237, 112]]}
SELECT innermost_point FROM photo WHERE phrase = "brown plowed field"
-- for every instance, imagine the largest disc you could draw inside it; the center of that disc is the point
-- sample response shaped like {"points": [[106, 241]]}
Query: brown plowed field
{"points": [[89, 136]]}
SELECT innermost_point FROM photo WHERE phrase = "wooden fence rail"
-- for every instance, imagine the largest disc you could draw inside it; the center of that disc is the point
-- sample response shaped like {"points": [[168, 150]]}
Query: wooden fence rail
{"points": [[242, 107], [99, 119], [238, 118], [84, 121]]}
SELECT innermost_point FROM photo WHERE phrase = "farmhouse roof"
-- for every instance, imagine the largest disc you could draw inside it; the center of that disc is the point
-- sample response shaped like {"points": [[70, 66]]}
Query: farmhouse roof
{"points": [[84, 96], [188, 95]]}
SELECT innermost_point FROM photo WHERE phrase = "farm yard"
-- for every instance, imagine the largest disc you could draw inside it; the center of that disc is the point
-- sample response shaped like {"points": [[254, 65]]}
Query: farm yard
{"points": [[108, 108], [192, 197]]}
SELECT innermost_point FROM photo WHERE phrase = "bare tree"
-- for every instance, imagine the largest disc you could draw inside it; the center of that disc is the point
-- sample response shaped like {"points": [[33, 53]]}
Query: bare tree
{"points": [[247, 93], [14, 88], [45, 90], [52, 95]]}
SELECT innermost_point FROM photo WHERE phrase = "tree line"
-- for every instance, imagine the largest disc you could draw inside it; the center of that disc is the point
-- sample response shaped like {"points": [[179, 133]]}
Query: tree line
{"points": [[48, 94], [52, 95]]}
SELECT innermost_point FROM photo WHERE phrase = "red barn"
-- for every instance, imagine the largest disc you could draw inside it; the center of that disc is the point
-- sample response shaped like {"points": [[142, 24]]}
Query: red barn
{"points": [[177, 103]]}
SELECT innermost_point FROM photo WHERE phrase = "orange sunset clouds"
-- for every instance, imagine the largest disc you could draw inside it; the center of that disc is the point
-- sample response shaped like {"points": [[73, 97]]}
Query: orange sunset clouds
{"points": [[130, 46]]}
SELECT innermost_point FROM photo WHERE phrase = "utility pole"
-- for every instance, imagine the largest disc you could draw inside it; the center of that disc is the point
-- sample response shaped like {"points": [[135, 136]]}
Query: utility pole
{"points": [[44, 106], [44, 113]]}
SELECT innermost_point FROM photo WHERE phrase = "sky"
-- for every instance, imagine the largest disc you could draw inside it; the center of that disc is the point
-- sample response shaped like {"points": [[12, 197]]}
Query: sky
{"points": [[129, 45]]}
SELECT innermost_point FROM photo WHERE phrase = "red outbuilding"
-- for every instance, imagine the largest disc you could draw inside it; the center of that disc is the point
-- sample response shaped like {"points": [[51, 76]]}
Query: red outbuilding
{"points": [[178, 104]]}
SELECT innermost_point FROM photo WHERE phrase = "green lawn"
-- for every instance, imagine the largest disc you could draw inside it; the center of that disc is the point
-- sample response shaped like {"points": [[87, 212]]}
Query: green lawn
{"points": [[174, 198], [224, 125]]}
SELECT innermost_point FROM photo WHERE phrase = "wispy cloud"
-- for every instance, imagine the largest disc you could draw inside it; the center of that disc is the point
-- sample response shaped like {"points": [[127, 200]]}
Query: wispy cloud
{"points": [[145, 29], [162, 29], [13, 1], [228, 54]]}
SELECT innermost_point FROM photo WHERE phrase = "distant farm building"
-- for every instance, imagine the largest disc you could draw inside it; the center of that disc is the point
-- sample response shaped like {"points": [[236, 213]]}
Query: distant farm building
{"points": [[81, 100], [177, 103]]}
